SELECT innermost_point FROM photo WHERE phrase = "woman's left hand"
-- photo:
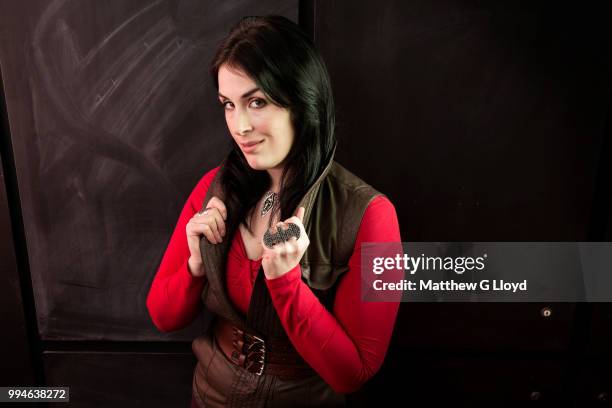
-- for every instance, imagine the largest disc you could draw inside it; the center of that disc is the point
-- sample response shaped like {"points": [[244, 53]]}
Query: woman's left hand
{"points": [[284, 256]]}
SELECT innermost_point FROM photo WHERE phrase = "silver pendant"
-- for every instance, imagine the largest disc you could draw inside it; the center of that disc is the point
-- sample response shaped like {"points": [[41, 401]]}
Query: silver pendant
{"points": [[269, 200]]}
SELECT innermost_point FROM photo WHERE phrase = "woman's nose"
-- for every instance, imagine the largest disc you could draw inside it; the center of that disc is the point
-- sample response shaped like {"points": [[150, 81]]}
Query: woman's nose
{"points": [[244, 123]]}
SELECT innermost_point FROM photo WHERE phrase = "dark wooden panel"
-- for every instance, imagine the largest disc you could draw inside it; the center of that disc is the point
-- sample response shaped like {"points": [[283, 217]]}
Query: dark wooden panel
{"points": [[480, 120], [430, 380], [122, 379], [595, 383], [485, 327], [113, 120], [600, 333]]}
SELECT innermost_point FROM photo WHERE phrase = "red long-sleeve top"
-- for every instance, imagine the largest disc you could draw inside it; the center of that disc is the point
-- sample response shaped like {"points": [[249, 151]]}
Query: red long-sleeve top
{"points": [[345, 347]]}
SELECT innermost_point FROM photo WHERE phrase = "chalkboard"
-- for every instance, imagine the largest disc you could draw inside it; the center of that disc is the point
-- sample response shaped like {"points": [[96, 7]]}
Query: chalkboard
{"points": [[113, 120]]}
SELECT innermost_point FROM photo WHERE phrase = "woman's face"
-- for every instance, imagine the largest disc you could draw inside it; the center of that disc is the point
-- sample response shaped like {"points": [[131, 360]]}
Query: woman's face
{"points": [[262, 130]]}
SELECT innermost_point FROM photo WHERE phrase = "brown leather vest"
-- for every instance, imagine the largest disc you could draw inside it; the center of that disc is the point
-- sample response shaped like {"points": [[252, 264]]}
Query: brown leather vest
{"points": [[334, 206]]}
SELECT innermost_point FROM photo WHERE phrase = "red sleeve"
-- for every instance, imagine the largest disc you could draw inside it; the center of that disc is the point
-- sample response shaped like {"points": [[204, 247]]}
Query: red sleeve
{"points": [[174, 298], [346, 348]]}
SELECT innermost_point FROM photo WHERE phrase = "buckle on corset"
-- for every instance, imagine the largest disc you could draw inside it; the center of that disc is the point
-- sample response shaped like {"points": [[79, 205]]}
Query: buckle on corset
{"points": [[249, 351]]}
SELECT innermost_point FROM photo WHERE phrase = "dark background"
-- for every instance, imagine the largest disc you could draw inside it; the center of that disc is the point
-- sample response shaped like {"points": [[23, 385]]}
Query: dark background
{"points": [[481, 122]]}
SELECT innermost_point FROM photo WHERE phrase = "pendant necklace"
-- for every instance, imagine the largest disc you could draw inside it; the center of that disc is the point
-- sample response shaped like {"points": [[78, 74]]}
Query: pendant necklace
{"points": [[270, 200]]}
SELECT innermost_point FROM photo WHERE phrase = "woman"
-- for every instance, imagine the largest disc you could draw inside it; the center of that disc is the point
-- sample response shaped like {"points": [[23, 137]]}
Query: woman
{"points": [[270, 240]]}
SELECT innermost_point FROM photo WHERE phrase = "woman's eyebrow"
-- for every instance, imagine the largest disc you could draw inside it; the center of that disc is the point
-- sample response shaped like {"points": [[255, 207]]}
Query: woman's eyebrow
{"points": [[245, 95]]}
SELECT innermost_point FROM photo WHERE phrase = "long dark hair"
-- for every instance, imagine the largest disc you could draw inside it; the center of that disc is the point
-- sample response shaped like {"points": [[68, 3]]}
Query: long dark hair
{"points": [[281, 59]]}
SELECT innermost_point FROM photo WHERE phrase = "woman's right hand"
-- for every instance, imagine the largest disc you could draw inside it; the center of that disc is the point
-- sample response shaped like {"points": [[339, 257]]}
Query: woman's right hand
{"points": [[210, 223]]}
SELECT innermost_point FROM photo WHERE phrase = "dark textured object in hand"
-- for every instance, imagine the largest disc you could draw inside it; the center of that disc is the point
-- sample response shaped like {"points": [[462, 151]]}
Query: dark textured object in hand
{"points": [[281, 235]]}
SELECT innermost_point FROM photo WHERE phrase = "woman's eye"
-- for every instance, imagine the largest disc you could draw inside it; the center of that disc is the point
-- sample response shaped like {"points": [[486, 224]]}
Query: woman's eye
{"points": [[227, 105], [257, 103]]}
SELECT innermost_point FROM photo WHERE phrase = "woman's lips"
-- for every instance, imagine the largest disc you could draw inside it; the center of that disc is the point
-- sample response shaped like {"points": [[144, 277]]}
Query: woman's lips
{"points": [[250, 146]]}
